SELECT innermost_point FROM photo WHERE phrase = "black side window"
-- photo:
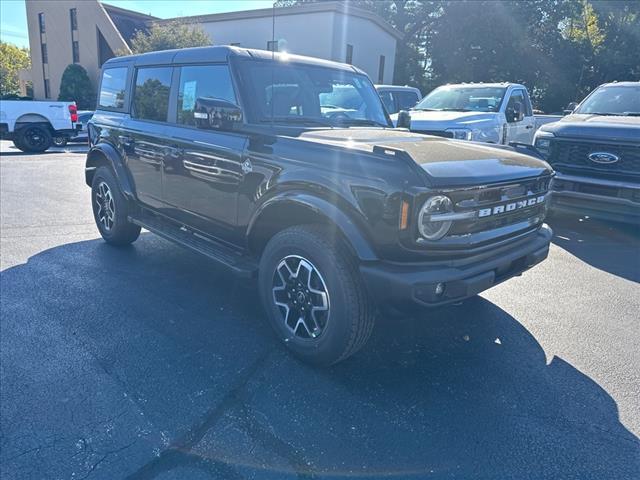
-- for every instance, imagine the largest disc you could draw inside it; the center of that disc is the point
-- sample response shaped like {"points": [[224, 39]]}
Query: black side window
{"points": [[210, 81], [406, 100], [387, 99], [151, 95], [112, 88]]}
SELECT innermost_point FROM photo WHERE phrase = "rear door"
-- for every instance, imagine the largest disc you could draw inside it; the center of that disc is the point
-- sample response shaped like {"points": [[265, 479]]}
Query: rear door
{"points": [[143, 135], [203, 168]]}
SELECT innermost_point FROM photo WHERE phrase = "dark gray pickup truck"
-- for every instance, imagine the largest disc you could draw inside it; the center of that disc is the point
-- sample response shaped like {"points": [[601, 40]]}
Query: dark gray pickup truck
{"points": [[595, 152]]}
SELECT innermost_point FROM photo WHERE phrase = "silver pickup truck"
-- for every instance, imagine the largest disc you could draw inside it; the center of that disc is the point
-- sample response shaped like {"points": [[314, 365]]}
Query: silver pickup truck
{"points": [[483, 112]]}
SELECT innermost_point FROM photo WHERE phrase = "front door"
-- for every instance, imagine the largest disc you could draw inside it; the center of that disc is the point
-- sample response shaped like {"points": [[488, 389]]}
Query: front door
{"points": [[520, 130], [143, 136], [203, 168]]}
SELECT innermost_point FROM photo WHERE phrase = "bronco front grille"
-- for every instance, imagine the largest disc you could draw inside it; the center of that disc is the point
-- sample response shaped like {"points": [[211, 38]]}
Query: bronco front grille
{"points": [[493, 198], [573, 156]]}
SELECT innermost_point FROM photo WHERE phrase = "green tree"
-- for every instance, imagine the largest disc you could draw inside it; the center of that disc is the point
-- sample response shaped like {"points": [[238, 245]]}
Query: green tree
{"points": [[12, 60], [75, 86], [167, 36]]}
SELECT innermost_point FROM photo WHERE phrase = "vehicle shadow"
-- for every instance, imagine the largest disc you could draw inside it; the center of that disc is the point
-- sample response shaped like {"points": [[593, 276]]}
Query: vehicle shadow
{"points": [[14, 152], [460, 392], [612, 247]]}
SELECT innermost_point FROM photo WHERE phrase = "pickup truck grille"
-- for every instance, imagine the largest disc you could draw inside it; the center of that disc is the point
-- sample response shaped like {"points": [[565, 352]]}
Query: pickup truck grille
{"points": [[573, 156]]}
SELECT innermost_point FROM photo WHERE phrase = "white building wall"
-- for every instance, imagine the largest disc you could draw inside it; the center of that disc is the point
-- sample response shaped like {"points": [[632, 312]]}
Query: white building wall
{"points": [[318, 34], [308, 34], [369, 42]]}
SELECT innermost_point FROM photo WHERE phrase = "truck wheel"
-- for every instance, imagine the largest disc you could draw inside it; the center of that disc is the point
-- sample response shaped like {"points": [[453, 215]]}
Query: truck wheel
{"points": [[110, 209], [33, 138], [313, 294]]}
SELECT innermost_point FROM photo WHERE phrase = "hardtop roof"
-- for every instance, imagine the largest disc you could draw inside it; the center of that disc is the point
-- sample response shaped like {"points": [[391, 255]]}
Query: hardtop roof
{"points": [[219, 54]]}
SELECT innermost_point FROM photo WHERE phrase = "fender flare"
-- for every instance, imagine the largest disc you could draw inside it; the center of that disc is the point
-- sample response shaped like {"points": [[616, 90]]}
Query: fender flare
{"points": [[358, 242], [114, 160]]}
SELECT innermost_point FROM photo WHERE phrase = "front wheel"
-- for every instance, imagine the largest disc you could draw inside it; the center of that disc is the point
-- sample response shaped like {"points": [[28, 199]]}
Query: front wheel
{"points": [[314, 297], [110, 209]]}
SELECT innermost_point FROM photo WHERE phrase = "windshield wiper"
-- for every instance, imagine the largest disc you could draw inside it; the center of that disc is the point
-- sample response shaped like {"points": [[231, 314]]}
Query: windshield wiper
{"points": [[632, 114], [424, 109], [297, 121], [456, 110], [358, 121]]}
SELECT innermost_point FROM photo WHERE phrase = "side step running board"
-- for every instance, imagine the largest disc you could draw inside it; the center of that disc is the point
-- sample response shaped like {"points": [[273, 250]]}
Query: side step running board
{"points": [[239, 264]]}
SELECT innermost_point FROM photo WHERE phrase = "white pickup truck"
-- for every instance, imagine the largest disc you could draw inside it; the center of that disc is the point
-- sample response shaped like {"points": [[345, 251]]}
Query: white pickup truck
{"points": [[483, 112], [34, 125]]}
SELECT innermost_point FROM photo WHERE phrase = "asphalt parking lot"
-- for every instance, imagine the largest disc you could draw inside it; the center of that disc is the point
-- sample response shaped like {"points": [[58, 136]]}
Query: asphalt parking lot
{"points": [[150, 362]]}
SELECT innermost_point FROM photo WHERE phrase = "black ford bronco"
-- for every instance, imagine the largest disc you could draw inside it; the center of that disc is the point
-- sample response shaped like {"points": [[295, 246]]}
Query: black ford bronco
{"points": [[596, 153], [287, 169]]}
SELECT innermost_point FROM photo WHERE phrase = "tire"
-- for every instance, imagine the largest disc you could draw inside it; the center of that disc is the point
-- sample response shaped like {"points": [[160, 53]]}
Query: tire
{"points": [[110, 209], [60, 141], [326, 336], [33, 138]]}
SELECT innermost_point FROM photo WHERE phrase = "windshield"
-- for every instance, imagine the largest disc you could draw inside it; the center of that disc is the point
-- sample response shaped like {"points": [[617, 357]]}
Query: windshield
{"points": [[612, 100], [463, 99], [289, 93]]}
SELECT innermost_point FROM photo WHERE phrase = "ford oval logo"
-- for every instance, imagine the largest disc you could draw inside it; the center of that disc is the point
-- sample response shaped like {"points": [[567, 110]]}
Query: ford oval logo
{"points": [[603, 157]]}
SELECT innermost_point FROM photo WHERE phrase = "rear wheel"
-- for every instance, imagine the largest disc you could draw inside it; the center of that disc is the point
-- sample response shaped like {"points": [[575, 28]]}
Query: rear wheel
{"points": [[110, 209], [314, 297], [33, 138]]}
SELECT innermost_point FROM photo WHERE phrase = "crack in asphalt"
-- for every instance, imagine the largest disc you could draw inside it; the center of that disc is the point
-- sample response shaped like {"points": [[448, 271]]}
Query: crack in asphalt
{"points": [[179, 453]]}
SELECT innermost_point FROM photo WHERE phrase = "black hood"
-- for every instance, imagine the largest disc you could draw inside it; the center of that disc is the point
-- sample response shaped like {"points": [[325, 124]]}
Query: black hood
{"points": [[446, 162], [597, 127]]}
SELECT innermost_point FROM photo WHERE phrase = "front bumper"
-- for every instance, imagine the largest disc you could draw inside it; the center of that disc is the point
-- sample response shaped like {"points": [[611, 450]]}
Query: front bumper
{"points": [[598, 198], [403, 284]]}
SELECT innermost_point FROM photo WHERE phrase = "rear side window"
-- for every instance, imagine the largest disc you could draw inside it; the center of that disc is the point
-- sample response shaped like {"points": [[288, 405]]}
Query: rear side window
{"points": [[151, 95], [113, 88], [202, 81]]}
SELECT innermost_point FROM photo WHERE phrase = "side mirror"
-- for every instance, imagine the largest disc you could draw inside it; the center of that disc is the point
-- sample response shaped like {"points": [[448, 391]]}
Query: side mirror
{"points": [[216, 114], [515, 113], [570, 108], [404, 119]]}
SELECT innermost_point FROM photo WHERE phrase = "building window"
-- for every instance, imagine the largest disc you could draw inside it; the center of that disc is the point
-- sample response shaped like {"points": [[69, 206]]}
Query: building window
{"points": [[73, 15], [47, 88], [349, 57], [41, 22], [45, 57], [76, 51], [272, 45], [104, 50], [381, 70]]}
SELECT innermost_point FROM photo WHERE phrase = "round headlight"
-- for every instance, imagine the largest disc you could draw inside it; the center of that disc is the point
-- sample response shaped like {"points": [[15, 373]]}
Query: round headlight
{"points": [[429, 225]]}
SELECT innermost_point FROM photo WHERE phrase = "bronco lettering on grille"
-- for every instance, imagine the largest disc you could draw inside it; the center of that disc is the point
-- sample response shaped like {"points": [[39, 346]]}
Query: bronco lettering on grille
{"points": [[510, 207]]}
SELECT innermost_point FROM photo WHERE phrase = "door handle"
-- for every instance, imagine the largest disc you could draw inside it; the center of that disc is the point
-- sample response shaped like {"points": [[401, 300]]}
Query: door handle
{"points": [[529, 127]]}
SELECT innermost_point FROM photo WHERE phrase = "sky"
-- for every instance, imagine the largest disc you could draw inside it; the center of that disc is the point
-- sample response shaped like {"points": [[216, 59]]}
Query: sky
{"points": [[13, 18]]}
